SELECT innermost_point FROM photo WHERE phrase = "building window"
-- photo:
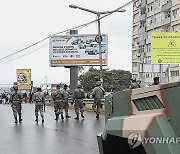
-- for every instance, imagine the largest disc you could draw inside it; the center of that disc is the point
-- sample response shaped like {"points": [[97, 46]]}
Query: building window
{"points": [[134, 76], [157, 17], [141, 49], [135, 28], [150, 7], [135, 52], [148, 60], [157, 3], [148, 75], [149, 20], [174, 73], [136, 16], [176, 12], [148, 47], [134, 64], [176, 27]]}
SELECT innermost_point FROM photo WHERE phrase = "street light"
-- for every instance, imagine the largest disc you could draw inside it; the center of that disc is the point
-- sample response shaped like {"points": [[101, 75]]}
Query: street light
{"points": [[99, 31]]}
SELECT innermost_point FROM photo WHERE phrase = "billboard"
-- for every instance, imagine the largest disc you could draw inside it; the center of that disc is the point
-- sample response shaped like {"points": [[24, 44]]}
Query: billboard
{"points": [[75, 50], [24, 79], [165, 48]]}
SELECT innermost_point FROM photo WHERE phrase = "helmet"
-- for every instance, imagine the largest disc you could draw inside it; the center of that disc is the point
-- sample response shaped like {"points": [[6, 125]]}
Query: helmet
{"points": [[39, 89], [58, 86], [98, 83], [156, 78], [78, 85], [65, 86], [15, 87]]}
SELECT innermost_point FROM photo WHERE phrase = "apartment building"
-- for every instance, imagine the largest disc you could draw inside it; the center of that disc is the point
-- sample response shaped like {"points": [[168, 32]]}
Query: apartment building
{"points": [[153, 16]]}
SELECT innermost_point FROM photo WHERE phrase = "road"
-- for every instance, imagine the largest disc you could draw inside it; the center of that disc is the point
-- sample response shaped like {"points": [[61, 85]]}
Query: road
{"points": [[63, 137]]}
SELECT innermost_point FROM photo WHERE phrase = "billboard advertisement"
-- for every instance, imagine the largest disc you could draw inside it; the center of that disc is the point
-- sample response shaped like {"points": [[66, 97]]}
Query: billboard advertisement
{"points": [[165, 48], [24, 79], [75, 50]]}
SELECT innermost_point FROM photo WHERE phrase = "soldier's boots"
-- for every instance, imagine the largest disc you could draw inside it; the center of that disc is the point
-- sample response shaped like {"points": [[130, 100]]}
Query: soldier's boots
{"points": [[97, 116], [42, 119], [82, 116], [57, 117], [62, 117], [20, 119], [36, 119], [77, 117], [15, 120], [67, 116]]}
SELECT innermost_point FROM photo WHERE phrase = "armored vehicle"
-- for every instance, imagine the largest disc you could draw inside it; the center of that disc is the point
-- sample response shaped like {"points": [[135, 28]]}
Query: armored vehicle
{"points": [[142, 120]]}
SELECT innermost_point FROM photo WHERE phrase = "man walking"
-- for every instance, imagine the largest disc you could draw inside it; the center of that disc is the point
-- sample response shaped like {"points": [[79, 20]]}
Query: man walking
{"points": [[65, 100], [98, 93], [78, 96], [39, 99], [57, 97], [16, 99]]}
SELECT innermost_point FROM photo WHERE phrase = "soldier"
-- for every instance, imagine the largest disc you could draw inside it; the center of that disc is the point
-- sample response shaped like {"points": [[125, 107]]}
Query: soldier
{"points": [[78, 96], [57, 97], [39, 99], [65, 100], [134, 84], [16, 99], [156, 81], [98, 93]]}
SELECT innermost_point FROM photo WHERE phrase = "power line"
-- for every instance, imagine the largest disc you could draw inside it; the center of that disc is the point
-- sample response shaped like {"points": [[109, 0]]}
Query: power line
{"points": [[77, 27], [44, 45]]}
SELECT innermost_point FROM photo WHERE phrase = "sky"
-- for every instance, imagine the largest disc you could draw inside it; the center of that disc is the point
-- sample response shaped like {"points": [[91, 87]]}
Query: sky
{"points": [[25, 22]]}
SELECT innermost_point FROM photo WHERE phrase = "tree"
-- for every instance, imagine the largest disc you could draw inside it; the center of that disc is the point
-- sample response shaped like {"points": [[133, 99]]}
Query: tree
{"points": [[114, 80]]}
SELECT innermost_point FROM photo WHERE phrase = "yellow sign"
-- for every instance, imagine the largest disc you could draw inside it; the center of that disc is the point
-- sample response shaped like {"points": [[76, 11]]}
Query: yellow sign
{"points": [[165, 48], [23, 79]]}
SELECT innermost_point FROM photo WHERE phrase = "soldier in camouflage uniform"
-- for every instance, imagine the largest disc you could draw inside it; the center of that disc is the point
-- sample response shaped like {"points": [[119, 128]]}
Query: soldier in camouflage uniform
{"points": [[78, 96], [65, 100], [39, 99], [98, 93], [156, 81], [57, 97], [16, 100]]}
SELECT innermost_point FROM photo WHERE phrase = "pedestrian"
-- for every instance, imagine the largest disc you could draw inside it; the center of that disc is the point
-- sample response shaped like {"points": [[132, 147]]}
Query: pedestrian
{"points": [[156, 81], [16, 99], [78, 96], [39, 99], [97, 94], [65, 100], [134, 84], [57, 97]]}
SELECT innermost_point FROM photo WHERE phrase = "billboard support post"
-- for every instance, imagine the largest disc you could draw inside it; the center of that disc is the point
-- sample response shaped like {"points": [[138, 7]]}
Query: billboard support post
{"points": [[73, 70]]}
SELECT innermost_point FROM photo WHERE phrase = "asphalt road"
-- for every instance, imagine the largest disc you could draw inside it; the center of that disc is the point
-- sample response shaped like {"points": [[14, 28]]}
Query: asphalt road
{"points": [[63, 137]]}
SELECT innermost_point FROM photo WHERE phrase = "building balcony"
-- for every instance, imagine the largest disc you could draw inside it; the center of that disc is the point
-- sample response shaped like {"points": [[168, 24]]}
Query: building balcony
{"points": [[142, 30], [166, 21], [141, 42], [166, 6], [142, 4], [142, 17]]}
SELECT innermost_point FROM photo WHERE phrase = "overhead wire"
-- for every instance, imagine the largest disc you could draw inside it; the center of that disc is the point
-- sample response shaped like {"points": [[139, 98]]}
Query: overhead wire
{"points": [[77, 27]]}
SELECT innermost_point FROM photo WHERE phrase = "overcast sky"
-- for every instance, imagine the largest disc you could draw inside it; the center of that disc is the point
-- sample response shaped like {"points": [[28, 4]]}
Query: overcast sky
{"points": [[24, 22]]}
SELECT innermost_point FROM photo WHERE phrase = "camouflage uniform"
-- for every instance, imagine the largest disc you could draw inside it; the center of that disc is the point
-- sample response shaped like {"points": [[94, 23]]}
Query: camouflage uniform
{"points": [[39, 99], [65, 100], [16, 99], [58, 103], [78, 96], [98, 93]]}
